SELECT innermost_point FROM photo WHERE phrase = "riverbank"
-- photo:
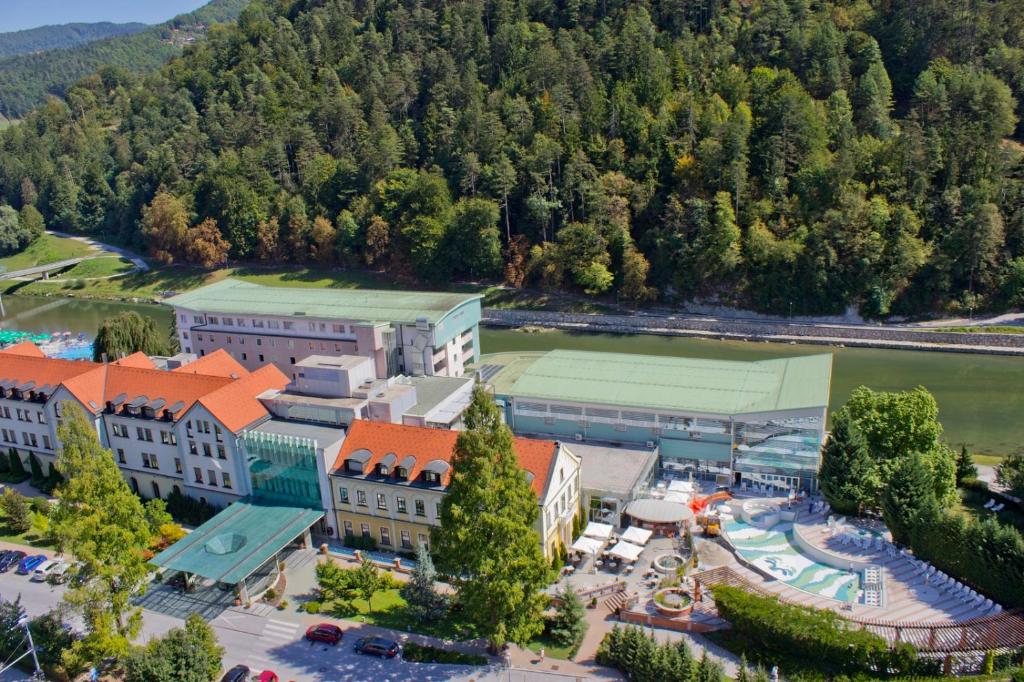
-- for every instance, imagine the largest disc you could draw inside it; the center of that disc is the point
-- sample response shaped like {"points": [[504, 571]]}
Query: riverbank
{"points": [[861, 336]]}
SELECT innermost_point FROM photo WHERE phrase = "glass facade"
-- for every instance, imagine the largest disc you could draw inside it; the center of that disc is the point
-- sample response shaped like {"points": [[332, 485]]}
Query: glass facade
{"points": [[283, 469]]}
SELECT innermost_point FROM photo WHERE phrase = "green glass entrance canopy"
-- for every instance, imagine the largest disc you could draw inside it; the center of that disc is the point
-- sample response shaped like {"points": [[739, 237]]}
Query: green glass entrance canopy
{"points": [[237, 541]]}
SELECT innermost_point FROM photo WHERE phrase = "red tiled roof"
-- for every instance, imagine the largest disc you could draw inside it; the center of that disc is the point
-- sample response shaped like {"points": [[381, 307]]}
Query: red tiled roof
{"points": [[426, 445], [219, 363], [26, 348], [235, 404], [22, 367]]}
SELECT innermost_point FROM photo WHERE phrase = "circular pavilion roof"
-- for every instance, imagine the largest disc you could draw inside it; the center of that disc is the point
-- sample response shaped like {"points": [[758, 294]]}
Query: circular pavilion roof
{"points": [[659, 511]]}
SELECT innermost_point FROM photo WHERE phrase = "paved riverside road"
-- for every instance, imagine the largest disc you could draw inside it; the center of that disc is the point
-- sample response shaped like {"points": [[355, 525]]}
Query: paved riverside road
{"points": [[269, 643]]}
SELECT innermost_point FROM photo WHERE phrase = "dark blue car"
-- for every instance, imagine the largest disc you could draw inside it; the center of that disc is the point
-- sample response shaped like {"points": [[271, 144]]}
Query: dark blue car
{"points": [[9, 560], [29, 563]]}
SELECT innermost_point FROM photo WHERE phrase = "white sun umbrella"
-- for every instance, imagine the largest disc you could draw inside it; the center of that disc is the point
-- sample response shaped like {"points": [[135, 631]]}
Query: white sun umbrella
{"points": [[601, 531], [626, 551], [637, 535], [587, 545]]}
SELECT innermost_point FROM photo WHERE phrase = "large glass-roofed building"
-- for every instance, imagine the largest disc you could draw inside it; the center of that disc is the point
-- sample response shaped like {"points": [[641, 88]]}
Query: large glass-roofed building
{"points": [[755, 422]]}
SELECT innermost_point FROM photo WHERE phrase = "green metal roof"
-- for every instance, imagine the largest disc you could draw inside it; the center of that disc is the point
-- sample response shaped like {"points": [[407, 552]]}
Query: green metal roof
{"points": [[689, 385], [232, 296], [238, 540]]}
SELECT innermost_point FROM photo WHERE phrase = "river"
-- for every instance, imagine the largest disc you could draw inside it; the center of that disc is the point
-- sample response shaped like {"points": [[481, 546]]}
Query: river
{"points": [[981, 397]]}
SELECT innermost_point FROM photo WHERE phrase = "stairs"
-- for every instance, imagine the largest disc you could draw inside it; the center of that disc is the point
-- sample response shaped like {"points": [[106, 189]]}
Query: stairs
{"points": [[615, 602]]}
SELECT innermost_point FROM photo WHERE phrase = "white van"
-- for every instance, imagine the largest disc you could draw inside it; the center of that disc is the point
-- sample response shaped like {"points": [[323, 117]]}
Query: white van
{"points": [[59, 573], [43, 570]]}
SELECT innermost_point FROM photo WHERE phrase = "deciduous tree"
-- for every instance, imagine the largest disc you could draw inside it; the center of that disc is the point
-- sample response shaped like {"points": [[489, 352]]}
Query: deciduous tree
{"points": [[128, 333]]}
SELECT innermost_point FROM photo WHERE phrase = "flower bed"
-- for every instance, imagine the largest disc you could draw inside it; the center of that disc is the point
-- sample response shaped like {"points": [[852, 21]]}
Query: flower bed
{"points": [[672, 602]]}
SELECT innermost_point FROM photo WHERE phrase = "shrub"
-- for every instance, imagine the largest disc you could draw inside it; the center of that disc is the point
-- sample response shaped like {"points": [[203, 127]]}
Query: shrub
{"points": [[171, 533], [282, 605], [641, 657], [36, 468], [189, 510], [417, 653], [814, 635], [270, 595], [40, 505], [16, 509], [17, 472], [311, 607], [367, 544], [569, 624]]}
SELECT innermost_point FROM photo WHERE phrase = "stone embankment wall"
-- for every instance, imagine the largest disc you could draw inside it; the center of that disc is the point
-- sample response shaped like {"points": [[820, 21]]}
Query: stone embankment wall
{"points": [[848, 335]]}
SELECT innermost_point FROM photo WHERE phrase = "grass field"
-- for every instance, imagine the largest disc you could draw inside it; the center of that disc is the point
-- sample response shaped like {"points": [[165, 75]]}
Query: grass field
{"points": [[391, 611], [102, 266], [977, 329], [973, 502], [551, 650], [46, 249], [29, 538]]}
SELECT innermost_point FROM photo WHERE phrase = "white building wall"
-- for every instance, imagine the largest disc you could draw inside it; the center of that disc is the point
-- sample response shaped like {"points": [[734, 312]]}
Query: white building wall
{"points": [[207, 445]]}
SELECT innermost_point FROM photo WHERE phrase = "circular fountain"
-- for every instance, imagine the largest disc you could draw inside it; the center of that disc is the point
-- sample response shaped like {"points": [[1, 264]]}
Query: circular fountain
{"points": [[760, 513], [668, 564]]}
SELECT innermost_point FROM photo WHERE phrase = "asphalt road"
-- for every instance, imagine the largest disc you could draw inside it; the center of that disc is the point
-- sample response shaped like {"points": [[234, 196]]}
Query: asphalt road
{"points": [[265, 644]]}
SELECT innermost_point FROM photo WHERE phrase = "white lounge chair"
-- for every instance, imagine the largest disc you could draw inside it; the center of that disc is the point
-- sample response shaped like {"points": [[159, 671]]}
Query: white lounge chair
{"points": [[991, 503]]}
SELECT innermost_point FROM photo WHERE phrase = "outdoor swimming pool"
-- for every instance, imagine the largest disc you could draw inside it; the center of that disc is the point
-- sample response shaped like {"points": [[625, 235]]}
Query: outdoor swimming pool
{"points": [[773, 551]]}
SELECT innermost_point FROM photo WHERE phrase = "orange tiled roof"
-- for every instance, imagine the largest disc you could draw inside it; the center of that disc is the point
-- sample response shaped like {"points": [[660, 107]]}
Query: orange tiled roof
{"points": [[26, 348], [235, 404], [138, 359], [426, 445], [232, 401], [219, 363]]}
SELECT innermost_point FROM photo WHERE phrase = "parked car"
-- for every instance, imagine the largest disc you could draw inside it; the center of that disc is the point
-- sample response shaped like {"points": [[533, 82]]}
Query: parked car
{"points": [[240, 673], [10, 559], [268, 676], [60, 572], [30, 563], [42, 571], [324, 632], [377, 646]]}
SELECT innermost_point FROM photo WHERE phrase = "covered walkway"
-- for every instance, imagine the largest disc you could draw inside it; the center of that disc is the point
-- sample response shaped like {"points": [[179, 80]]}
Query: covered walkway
{"points": [[239, 543]]}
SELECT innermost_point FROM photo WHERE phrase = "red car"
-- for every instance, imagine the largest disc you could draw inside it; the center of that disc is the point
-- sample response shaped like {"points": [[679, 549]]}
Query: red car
{"points": [[324, 632], [268, 676]]}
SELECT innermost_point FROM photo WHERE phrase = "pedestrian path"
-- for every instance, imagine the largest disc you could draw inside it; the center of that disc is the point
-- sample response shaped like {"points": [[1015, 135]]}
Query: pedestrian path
{"points": [[276, 634]]}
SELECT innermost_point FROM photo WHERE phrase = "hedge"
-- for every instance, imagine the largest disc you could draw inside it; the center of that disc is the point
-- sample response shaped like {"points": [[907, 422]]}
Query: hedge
{"points": [[416, 653], [816, 635]]}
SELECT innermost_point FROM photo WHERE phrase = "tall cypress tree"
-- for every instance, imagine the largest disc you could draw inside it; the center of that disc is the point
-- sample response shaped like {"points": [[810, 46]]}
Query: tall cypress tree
{"points": [[908, 499], [849, 476], [486, 544]]}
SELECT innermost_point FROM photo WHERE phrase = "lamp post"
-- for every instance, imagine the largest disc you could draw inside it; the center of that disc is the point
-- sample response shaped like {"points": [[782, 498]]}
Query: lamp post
{"points": [[38, 674]]}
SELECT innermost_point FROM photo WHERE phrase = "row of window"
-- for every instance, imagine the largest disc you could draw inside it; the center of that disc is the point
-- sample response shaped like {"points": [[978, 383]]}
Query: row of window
{"points": [[193, 449], [23, 415], [259, 324], [419, 506], [211, 479], [385, 535], [29, 440], [230, 340]]}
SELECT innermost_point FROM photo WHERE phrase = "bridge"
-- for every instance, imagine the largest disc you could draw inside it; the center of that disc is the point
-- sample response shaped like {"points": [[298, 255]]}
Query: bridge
{"points": [[39, 270]]}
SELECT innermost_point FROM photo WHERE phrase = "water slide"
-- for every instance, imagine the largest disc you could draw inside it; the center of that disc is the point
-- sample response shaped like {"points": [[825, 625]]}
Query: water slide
{"points": [[699, 503]]}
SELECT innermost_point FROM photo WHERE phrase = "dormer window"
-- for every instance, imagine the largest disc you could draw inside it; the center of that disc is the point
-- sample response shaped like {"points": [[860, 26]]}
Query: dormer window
{"points": [[402, 473], [382, 469], [353, 466], [431, 477]]}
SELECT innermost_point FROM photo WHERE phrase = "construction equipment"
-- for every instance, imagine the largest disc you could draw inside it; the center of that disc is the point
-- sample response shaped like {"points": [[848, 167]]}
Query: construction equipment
{"points": [[710, 523]]}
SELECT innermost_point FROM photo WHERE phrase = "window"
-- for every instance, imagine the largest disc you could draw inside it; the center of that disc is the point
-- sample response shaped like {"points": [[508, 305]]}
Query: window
{"points": [[244, 356], [437, 509], [422, 539], [221, 454], [144, 434], [217, 431], [348, 529], [192, 449], [431, 477], [385, 537], [40, 417], [198, 474], [228, 322], [149, 461], [46, 442], [30, 439], [120, 430], [291, 360], [198, 319], [420, 508], [338, 328], [257, 323], [365, 529], [382, 502], [199, 337], [261, 357], [361, 498], [273, 324], [226, 478], [207, 452], [343, 495], [120, 456], [241, 322], [213, 477], [167, 438], [401, 505], [259, 341], [177, 465], [406, 540], [288, 325], [204, 426]]}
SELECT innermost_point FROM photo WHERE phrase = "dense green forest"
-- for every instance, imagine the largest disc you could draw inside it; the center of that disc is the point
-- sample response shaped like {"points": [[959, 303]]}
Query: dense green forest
{"points": [[27, 79], [789, 155], [61, 36]]}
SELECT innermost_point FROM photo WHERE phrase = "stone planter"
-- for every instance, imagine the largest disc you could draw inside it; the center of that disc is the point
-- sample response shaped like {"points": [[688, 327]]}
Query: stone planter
{"points": [[673, 602]]}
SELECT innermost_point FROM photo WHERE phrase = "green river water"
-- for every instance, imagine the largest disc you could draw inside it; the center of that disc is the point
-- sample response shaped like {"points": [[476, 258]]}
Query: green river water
{"points": [[981, 397]]}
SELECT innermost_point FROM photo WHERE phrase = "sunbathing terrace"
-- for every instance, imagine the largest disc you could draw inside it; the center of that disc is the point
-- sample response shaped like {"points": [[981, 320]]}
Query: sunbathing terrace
{"points": [[756, 422], [912, 594]]}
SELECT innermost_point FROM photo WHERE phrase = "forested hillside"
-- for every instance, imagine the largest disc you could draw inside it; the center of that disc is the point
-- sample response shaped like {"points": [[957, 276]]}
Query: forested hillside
{"points": [[784, 154], [27, 79], [62, 36]]}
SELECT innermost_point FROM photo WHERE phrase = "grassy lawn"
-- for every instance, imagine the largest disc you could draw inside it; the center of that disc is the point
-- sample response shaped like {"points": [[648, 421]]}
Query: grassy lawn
{"points": [[146, 285], [46, 249], [973, 502], [103, 266], [551, 650], [987, 460], [390, 611], [29, 538], [975, 329]]}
